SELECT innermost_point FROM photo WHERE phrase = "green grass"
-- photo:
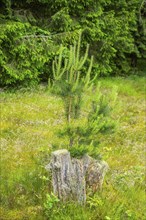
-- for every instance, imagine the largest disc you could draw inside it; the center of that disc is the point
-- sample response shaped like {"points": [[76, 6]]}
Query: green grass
{"points": [[29, 122]]}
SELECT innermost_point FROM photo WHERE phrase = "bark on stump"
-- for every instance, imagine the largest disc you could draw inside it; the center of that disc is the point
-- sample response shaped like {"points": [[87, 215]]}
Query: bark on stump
{"points": [[70, 176]]}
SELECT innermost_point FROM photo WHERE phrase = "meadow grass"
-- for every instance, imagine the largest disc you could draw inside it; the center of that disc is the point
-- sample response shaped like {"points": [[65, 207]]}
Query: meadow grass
{"points": [[30, 119]]}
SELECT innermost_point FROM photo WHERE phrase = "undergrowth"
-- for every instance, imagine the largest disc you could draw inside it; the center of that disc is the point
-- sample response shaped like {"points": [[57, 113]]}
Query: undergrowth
{"points": [[30, 120]]}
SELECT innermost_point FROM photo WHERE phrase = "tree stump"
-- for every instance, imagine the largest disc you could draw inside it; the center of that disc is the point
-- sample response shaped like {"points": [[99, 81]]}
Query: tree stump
{"points": [[70, 176], [94, 171]]}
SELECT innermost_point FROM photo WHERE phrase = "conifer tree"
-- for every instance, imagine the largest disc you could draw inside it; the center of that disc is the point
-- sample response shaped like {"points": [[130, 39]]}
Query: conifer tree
{"points": [[69, 83], [71, 86]]}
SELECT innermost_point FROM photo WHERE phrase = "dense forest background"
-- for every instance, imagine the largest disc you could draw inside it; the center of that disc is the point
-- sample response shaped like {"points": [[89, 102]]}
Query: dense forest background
{"points": [[31, 32]]}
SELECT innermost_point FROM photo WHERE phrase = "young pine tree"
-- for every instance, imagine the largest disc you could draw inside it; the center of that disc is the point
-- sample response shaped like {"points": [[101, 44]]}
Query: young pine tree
{"points": [[71, 86]]}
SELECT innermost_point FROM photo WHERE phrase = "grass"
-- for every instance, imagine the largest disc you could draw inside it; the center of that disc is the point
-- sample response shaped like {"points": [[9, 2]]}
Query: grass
{"points": [[29, 122]]}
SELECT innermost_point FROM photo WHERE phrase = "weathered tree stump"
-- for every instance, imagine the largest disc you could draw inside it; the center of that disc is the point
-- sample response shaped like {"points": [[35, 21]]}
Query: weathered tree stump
{"points": [[70, 176], [95, 171]]}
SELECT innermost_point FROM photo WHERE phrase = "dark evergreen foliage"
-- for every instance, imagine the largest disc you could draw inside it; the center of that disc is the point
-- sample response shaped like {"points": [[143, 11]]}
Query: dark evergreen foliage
{"points": [[115, 30]]}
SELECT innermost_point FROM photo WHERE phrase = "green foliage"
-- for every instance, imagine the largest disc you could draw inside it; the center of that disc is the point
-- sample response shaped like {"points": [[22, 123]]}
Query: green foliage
{"points": [[25, 51], [78, 151], [61, 17], [51, 201], [69, 83], [112, 29], [85, 136], [5, 8], [71, 86], [115, 31]]}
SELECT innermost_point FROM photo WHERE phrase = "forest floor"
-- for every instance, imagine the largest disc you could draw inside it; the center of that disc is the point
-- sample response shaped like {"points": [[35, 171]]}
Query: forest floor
{"points": [[30, 119]]}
